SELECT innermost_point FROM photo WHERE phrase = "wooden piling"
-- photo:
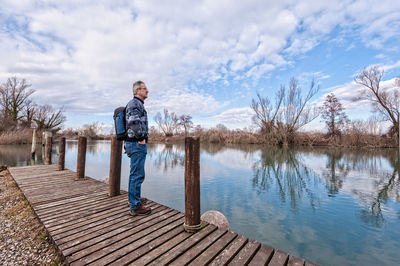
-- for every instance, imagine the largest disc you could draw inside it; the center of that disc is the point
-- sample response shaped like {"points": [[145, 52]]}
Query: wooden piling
{"points": [[61, 154], [114, 181], [48, 149], [192, 184], [80, 166], [34, 140]]}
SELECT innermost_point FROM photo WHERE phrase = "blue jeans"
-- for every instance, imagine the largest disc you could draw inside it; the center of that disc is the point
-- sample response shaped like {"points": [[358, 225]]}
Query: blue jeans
{"points": [[137, 153]]}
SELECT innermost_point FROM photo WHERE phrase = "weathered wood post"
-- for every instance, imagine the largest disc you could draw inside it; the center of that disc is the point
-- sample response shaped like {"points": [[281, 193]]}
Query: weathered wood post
{"points": [[34, 140], [192, 184], [49, 144], [80, 166], [61, 154], [114, 180]]}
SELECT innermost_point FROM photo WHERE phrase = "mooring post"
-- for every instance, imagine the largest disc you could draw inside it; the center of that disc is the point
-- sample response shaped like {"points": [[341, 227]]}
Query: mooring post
{"points": [[61, 154], [192, 184], [80, 166], [34, 140], [114, 181], [48, 148]]}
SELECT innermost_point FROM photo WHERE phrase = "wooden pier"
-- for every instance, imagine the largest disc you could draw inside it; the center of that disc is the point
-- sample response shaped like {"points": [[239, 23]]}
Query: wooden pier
{"points": [[90, 224]]}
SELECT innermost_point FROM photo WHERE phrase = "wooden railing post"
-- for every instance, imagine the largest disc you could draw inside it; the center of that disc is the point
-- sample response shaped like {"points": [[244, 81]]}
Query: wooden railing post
{"points": [[61, 154], [48, 148], [34, 140], [114, 181], [192, 184], [80, 166]]}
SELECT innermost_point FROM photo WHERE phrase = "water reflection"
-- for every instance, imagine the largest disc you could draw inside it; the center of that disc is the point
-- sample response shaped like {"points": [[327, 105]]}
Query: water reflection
{"points": [[381, 171], [20, 155], [283, 169], [167, 157], [332, 206], [371, 176]]}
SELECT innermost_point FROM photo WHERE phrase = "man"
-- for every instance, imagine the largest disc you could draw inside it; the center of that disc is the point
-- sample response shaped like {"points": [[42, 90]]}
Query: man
{"points": [[136, 146]]}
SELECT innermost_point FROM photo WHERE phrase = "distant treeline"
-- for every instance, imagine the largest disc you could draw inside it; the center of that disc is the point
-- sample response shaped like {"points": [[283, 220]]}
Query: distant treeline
{"points": [[278, 120]]}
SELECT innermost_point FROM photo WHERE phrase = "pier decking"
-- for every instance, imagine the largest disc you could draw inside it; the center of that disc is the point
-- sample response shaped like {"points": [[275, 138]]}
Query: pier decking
{"points": [[89, 227]]}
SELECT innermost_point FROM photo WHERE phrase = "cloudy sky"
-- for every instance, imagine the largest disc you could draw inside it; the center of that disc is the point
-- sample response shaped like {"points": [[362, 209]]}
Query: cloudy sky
{"points": [[203, 58]]}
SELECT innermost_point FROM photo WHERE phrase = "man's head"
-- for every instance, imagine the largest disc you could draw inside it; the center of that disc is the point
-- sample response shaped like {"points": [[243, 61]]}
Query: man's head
{"points": [[140, 90]]}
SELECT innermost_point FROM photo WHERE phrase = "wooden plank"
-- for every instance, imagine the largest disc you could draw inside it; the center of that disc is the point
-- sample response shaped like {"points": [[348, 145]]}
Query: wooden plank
{"points": [[87, 214], [211, 252], [33, 178], [74, 194], [193, 252], [54, 185], [263, 256], [68, 201], [46, 180], [108, 216], [101, 249], [139, 241], [159, 250], [135, 222], [154, 243], [231, 250], [280, 258], [83, 222], [182, 247], [94, 228], [89, 227], [311, 264], [245, 254], [82, 210], [58, 209], [295, 261], [66, 190]]}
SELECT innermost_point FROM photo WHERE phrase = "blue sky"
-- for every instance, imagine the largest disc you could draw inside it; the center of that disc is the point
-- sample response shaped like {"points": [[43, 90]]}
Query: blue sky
{"points": [[203, 58]]}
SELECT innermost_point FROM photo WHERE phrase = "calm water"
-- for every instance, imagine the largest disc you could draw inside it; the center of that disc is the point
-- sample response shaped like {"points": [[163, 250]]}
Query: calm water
{"points": [[331, 206]]}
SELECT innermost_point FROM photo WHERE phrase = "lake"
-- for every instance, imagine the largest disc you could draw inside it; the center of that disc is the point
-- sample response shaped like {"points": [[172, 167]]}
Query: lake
{"points": [[331, 206]]}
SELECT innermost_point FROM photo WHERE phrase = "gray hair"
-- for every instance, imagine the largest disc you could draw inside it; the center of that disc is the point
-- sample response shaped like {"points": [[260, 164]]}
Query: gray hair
{"points": [[136, 86]]}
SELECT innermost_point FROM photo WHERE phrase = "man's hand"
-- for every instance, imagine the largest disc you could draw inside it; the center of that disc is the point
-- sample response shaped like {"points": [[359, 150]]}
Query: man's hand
{"points": [[142, 142]]}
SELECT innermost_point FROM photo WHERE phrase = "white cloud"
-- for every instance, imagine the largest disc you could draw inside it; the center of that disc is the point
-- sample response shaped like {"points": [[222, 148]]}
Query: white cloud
{"points": [[239, 117], [348, 94], [85, 55]]}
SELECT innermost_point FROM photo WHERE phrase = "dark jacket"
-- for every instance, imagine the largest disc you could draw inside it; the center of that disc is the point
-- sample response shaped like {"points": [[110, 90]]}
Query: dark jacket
{"points": [[136, 120]]}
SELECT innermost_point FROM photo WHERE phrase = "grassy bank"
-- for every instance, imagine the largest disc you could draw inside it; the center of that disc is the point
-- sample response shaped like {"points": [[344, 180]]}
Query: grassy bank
{"points": [[301, 139], [24, 240], [225, 136]]}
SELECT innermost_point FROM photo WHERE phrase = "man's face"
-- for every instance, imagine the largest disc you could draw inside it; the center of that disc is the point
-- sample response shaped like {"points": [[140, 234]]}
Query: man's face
{"points": [[142, 92]]}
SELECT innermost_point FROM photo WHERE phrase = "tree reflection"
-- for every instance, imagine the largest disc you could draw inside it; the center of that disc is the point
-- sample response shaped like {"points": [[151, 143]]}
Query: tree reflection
{"points": [[168, 157], [282, 169], [385, 183], [372, 176], [19, 155], [336, 171]]}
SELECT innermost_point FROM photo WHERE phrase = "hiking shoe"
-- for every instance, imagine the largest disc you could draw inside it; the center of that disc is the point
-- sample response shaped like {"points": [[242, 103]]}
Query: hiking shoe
{"points": [[142, 200], [140, 210]]}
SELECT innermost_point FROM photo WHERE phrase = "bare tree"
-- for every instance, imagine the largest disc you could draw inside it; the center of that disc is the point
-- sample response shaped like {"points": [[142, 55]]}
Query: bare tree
{"points": [[265, 112], [167, 123], [14, 95], [47, 118], [91, 130], [333, 114], [186, 122], [386, 101], [289, 113], [296, 113], [28, 113]]}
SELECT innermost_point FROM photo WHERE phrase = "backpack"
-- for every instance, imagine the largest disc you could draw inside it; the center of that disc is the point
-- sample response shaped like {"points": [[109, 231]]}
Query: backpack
{"points": [[120, 123]]}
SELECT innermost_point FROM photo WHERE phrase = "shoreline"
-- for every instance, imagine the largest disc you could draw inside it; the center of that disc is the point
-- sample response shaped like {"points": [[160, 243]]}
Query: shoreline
{"points": [[24, 239]]}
